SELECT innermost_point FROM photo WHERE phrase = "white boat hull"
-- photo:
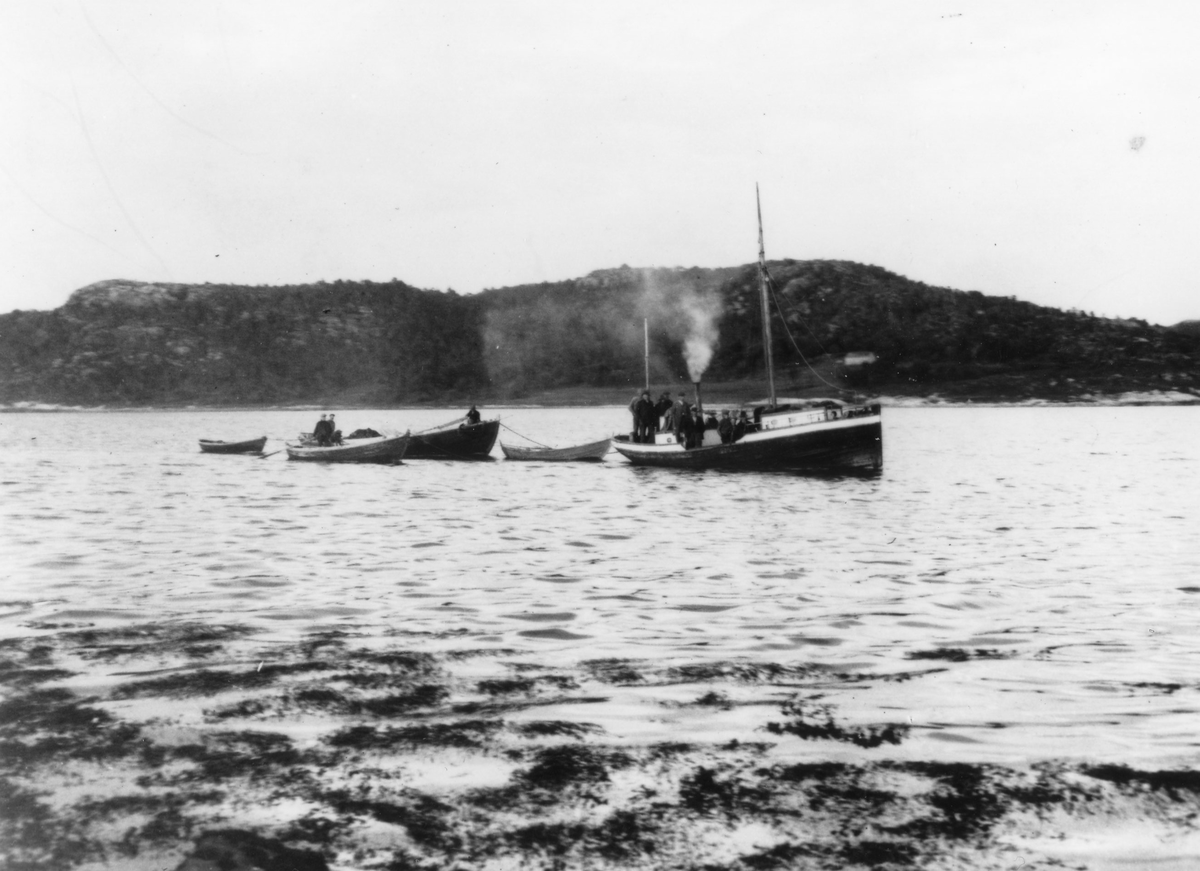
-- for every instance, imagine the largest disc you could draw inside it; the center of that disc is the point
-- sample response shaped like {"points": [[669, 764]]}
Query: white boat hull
{"points": [[590, 451]]}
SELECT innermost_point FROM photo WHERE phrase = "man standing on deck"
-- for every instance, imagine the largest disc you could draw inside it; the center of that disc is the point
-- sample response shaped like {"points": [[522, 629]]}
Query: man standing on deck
{"points": [[697, 440], [645, 419], [681, 413], [662, 407], [740, 426], [725, 428]]}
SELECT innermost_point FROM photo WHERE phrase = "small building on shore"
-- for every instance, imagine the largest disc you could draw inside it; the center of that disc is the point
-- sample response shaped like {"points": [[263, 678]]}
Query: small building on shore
{"points": [[858, 359]]}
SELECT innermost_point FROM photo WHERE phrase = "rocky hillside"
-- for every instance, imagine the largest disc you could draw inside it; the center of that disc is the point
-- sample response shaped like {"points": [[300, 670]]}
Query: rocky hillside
{"points": [[130, 343]]}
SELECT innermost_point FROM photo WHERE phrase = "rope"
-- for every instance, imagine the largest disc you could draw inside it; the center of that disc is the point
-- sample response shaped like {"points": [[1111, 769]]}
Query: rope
{"points": [[440, 426], [527, 438], [778, 305], [771, 285]]}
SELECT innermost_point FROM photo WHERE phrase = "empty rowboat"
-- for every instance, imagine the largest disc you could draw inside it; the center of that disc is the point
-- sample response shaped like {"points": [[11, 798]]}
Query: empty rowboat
{"points": [[215, 446], [590, 451]]}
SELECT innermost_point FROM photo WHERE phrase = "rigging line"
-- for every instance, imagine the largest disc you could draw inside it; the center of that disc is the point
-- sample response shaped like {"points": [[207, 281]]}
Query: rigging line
{"points": [[797, 347], [522, 435], [771, 284]]}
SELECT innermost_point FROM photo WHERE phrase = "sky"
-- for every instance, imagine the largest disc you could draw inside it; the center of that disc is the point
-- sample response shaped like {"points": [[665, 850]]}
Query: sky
{"points": [[1047, 151]]}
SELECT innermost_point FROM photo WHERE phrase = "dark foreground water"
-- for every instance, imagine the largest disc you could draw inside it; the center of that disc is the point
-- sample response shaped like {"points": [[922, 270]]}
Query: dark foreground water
{"points": [[985, 656]]}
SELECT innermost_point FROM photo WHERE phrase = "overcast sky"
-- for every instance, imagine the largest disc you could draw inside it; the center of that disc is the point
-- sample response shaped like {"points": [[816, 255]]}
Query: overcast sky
{"points": [[1047, 151]]}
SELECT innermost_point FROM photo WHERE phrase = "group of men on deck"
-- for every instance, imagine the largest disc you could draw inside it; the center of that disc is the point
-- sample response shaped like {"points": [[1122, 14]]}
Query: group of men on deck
{"points": [[686, 421]]}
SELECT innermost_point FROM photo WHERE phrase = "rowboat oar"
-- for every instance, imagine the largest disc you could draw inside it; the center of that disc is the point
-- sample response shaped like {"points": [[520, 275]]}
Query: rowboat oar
{"points": [[273, 453]]}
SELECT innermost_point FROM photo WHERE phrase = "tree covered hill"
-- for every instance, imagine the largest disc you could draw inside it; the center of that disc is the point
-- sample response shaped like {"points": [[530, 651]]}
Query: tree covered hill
{"points": [[125, 342]]}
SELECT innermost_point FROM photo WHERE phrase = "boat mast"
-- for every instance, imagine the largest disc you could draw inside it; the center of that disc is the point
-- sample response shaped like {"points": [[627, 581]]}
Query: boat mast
{"points": [[766, 308], [646, 325]]}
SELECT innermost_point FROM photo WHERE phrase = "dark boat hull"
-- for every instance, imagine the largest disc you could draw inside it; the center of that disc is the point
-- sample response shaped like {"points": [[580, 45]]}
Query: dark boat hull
{"points": [[848, 445], [466, 442], [250, 446], [384, 450]]}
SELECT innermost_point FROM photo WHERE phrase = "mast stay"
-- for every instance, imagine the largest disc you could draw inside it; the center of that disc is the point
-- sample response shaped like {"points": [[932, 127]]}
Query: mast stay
{"points": [[766, 308]]}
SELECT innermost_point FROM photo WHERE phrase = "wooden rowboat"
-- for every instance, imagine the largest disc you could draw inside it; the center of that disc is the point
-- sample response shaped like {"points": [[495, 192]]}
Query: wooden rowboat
{"points": [[468, 441], [386, 449], [215, 446], [590, 451]]}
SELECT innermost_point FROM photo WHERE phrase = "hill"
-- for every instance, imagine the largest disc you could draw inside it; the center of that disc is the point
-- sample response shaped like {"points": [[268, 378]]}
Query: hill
{"points": [[382, 343]]}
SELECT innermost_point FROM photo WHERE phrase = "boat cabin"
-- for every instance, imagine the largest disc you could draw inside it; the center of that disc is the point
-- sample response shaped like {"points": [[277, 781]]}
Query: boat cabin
{"points": [[765, 418], [789, 415]]}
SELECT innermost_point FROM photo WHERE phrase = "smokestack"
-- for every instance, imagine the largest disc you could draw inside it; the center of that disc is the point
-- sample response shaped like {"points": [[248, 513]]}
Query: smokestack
{"points": [[699, 404]]}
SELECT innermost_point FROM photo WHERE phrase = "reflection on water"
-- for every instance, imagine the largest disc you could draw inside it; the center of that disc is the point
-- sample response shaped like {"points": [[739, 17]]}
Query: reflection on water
{"points": [[1031, 572]]}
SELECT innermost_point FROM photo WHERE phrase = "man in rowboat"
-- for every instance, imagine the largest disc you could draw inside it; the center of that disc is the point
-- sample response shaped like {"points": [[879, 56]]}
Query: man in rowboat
{"points": [[323, 431]]}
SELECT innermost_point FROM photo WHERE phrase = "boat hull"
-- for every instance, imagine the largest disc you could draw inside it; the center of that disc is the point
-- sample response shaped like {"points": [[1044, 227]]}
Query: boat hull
{"points": [[381, 450], [465, 442], [250, 446], [846, 445], [591, 451]]}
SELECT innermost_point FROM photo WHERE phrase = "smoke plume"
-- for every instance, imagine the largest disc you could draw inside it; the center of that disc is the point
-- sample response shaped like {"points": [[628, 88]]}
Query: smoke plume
{"points": [[686, 312], [701, 340]]}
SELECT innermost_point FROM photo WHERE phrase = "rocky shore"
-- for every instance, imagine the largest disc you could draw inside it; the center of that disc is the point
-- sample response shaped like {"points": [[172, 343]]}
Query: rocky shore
{"points": [[199, 747]]}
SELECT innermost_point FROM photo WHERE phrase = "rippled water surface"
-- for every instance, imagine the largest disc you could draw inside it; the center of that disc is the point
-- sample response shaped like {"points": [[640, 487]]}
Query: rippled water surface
{"points": [[1036, 568]]}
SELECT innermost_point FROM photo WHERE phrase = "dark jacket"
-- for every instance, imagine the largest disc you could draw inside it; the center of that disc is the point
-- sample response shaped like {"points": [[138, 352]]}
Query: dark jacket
{"points": [[681, 416], [725, 430], [644, 412]]}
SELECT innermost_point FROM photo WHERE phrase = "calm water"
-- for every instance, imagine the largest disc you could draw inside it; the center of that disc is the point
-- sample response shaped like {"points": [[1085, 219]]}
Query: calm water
{"points": [[1055, 546]]}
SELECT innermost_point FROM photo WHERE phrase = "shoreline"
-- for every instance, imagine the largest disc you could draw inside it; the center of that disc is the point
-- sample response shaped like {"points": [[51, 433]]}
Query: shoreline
{"points": [[606, 398]]}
